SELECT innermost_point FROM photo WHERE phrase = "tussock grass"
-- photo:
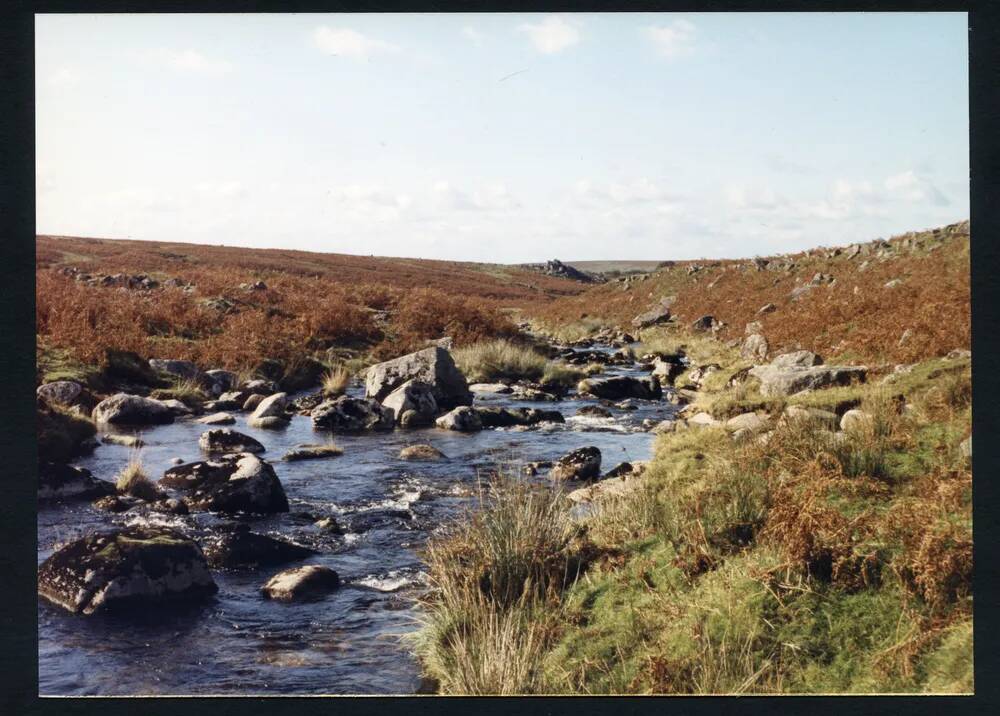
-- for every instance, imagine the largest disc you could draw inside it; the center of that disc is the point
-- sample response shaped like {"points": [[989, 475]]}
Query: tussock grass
{"points": [[490, 361], [61, 432], [562, 376], [335, 381], [133, 480], [187, 390]]}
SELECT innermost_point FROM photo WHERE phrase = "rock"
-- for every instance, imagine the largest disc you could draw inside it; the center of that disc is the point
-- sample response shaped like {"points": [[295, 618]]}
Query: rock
{"points": [[664, 426], [270, 412], [124, 409], [555, 267], [698, 374], [240, 548], [130, 566], [595, 411], [754, 348], [766, 308], [499, 388], [463, 419], [660, 313], [854, 419], [233, 483], [416, 396], [65, 482], [958, 353], [433, 366], [619, 470], [965, 448], [218, 381], [825, 418], [176, 407], [800, 291], [178, 368], [239, 397], [893, 283], [252, 401], [217, 419], [114, 503], [753, 327], [260, 386], [526, 392], [666, 371], [225, 440], [705, 323], [301, 583], [313, 452], [272, 422], [702, 420], [329, 524], [581, 464], [421, 452], [621, 386], [507, 417], [63, 392], [346, 414], [750, 422], [797, 359], [786, 381], [132, 441]]}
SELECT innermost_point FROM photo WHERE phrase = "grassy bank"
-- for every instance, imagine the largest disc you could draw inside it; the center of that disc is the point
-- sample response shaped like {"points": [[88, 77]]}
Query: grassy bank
{"points": [[797, 560]]}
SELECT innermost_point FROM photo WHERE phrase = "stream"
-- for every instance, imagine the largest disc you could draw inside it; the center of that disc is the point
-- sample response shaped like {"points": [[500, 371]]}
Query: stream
{"points": [[349, 641]]}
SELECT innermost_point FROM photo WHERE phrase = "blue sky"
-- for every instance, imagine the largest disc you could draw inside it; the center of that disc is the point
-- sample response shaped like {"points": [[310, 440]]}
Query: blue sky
{"points": [[503, 137]]}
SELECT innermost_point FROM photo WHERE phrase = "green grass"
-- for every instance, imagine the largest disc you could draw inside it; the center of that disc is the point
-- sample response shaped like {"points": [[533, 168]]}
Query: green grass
{"points": [[562, 376], [491, 361]]}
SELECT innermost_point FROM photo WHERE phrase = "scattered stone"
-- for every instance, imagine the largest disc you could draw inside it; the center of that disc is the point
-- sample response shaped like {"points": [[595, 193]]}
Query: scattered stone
{"points": [[130, 566], [463, 419], [124, 409], [421, 452], [581, 464], [232, 483], [301, 583], [225, 440]]}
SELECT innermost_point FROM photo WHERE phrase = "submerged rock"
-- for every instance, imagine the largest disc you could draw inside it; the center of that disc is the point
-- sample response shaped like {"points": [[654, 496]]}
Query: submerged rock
{"points": [[508, 417], [130, 566], [313, 452], [301, 583], [125, 409], [239, 547], [421, 452], [233, 483], [581, 464], [433, 366]]}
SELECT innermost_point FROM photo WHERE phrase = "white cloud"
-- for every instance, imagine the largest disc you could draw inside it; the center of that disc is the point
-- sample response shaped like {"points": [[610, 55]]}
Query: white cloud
{"points": [[472, 34], [64, 76], [910, 186], [192, 61], [221, 190], [551, 35], [759, 199], [495, 197], [672, 40], [344, 42]]}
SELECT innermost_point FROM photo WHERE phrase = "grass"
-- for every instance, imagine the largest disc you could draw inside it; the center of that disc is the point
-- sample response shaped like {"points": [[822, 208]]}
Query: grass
{"points": [[335, 381], [491, 361], [133, 480], [187, 390], [562, 376], [61, 432]]}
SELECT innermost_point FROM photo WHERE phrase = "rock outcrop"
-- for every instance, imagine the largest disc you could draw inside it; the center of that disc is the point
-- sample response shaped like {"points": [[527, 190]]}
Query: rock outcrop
{"points": [[802, 370]]}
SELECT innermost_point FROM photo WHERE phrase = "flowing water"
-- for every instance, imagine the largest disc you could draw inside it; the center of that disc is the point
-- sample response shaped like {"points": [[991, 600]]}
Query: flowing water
{"points": [[346, 643]]}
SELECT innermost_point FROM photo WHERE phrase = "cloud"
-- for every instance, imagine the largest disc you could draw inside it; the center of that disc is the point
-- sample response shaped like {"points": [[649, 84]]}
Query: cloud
{"points": [[221, 190], [912, 187], [64, 76], [551, 35], [758, 199], [193, 61], [344, 42], [472, 34], [675, 39]]}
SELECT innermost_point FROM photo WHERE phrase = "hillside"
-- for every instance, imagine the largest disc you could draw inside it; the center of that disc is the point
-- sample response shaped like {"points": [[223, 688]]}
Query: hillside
{"points": [[899, 300]]}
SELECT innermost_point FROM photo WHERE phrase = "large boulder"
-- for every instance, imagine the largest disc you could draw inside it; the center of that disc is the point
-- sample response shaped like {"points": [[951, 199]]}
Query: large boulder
{"points": [[233, 483], [238, 547], [65, 482], [581, 464], [797, 359], [462, 419], [346, 415], [660, 313], [416, 396], [131, 566], [225, 440], [621, 386], [125, 409], [433, 366], [776, 380], [301, 583], [63, 392]]}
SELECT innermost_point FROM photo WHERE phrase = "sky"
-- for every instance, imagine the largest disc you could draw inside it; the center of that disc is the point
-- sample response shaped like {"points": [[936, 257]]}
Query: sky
{"points": [[503, 137]]}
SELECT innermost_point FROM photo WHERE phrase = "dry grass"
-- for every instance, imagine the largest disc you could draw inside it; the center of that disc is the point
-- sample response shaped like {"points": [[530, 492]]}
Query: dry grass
{"points": [[133, 480], [490, 361], [335, 381]]}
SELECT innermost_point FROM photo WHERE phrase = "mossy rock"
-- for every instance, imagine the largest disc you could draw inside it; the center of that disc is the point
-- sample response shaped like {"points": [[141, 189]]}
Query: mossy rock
{"points": [[62, 435]]}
